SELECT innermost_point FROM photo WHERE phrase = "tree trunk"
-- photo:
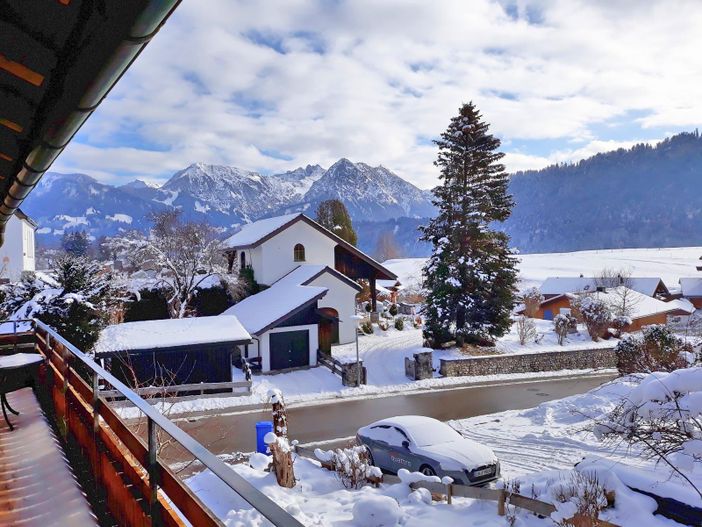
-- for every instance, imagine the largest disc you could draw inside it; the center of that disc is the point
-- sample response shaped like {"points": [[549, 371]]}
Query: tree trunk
{"points": [[282, 456]]}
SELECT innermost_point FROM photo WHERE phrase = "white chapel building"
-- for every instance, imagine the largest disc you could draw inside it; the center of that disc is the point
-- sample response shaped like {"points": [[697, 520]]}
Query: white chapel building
{"points": [[308, 277], [17, 253]]}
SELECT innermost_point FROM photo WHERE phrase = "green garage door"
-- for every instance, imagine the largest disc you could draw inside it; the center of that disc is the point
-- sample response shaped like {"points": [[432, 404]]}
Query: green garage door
{"points": [[289, 349]]}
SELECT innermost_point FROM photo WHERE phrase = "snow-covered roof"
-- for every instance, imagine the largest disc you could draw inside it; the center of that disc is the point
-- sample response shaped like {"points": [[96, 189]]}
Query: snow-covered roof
{"points": [[556, 285], [255, 233], [691, 286], [261, 311], [252, 233], [641, 305], [21, 215], [387, 284], [683, 304], [301, 275], [304, 274], [170, 333]]}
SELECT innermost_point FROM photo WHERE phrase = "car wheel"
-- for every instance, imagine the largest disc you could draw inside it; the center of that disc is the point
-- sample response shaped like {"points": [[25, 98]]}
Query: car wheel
{"points": [[427, 470]]}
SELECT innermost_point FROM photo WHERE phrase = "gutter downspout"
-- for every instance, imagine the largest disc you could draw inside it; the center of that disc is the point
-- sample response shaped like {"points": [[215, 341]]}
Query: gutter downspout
{"points": [[55, 140]]}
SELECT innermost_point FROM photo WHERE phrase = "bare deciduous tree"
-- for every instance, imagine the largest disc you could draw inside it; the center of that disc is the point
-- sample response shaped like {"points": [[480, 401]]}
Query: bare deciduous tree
{"points": [[184, 254], [622, 298], [526, 330], [561, 325], [386, 247], [532, 299], [660, 416]]}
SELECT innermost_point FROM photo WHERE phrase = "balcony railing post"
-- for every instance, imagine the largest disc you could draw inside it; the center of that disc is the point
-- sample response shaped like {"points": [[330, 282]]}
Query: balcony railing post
{"points": [[153, 472], [96, 404], [97, 453], [64, 353]]}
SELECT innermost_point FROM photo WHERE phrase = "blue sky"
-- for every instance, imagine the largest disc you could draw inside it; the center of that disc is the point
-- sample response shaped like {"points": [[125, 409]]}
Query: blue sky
{"points": [[270, 86]]}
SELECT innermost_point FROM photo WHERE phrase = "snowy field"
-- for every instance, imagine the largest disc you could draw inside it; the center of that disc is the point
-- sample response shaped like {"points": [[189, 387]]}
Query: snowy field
{"points": [[538, 447], [668, 264]]}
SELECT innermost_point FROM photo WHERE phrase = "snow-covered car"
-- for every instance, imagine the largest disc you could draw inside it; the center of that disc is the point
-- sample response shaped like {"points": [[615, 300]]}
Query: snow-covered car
{"points": [[422, 444]]}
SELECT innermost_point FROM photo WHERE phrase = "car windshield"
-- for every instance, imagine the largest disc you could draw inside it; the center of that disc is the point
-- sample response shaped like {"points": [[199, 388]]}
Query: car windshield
{"points": [[387, 433], [433, 434]]}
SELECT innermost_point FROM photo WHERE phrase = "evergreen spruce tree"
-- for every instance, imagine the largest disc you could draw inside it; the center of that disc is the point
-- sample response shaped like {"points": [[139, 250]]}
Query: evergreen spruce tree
{"points": [[75, 243], [333, 215], [471, 274]]}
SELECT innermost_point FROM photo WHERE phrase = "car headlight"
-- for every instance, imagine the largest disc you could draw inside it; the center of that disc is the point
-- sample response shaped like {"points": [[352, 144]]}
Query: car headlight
{"points": [[450, 466]]}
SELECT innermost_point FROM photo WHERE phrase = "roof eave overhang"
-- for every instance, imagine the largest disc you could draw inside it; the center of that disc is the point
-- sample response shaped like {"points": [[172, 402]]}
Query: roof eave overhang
{"points": [[288, 315], [52, 134]]}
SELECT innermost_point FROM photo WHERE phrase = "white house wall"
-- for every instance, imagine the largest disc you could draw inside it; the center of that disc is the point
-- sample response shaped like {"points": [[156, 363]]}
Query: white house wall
{"points": [[264, 344], [253, 259], [29, 258], [276, 257], [342, 297], [17, 251]]}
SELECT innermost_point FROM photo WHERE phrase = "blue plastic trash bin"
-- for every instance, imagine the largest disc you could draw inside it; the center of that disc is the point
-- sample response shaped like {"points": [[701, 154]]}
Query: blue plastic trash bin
{"points": [[262, 428]]}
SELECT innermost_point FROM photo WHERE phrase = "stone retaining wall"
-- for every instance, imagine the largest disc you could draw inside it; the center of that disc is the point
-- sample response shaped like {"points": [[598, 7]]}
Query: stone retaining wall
{"points": [[530, 362]]}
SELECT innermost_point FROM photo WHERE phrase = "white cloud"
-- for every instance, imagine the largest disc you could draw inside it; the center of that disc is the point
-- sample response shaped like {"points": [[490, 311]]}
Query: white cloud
{"points": [[371, 80]]}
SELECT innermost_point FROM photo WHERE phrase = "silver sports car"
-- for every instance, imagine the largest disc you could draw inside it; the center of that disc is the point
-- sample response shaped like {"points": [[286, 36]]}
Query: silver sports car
{"points": [[422, 444]]}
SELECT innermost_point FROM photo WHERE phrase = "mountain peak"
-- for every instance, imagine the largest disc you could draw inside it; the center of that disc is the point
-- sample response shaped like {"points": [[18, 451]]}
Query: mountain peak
{"points": [[139, 184]]}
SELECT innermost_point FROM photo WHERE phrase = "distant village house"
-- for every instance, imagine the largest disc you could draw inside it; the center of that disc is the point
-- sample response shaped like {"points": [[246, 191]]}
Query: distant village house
{"points": [[17, 253]]}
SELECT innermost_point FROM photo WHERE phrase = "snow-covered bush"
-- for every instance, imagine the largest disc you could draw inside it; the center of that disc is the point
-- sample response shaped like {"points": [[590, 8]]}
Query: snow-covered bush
{"points": [[15, 295], [367, 327], [619, 324], [561, 325], [657, 349], [352, 465], [393, 310], [578, 501], [594, 312], [532, 299], [399, 324], [662, 415], [383, 325], [376, 511], [146, 304], [258, 461], [76, 305], [526, 330]]}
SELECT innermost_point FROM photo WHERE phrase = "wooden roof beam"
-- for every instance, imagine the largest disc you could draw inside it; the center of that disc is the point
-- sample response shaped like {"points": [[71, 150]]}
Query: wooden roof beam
{"points": [[21, 71], [11, 125]]}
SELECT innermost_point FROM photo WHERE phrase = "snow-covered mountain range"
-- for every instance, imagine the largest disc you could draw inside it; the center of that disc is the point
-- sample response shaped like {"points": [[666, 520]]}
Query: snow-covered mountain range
{"points": [[221, 195]]}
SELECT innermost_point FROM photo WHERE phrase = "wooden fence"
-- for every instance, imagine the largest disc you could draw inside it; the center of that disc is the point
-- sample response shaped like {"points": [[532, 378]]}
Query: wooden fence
{"points": [[128, 481], [186, 391], [330, 362], [502, 496], [346, 371]]}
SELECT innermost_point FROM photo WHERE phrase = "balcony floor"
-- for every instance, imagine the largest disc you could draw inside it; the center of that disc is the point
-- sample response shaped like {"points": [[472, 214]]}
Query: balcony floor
{"points": [[36, 483]]}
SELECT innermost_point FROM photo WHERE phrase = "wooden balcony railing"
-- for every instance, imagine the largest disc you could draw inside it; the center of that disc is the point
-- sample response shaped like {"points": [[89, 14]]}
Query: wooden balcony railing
{"points": [[137, 488]]}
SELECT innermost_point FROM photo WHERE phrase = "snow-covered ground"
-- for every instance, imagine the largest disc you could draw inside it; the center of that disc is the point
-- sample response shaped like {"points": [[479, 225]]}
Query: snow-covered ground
{"points": [[547, 340], [538, 447], [668, 264], [383, 354]]}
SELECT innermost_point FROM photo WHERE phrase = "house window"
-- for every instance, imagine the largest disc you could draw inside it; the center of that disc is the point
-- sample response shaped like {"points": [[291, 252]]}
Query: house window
{"points": [[299, 253], [242, 258]]}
